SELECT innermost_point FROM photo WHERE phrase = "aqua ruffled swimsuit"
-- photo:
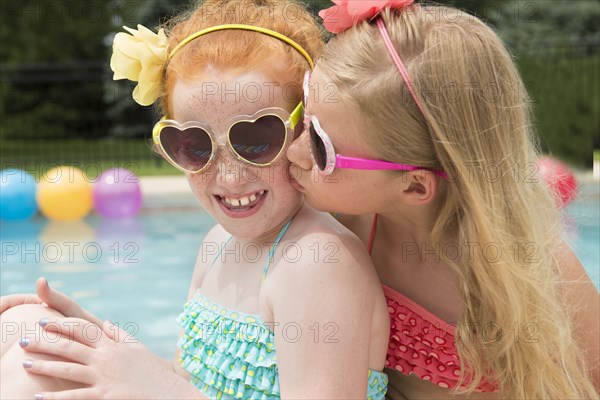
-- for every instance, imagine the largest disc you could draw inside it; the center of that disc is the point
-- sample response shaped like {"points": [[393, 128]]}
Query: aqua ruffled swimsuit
{"points": [[231, 355]]}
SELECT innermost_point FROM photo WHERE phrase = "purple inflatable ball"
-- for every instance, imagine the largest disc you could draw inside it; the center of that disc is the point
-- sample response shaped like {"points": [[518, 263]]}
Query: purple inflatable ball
{"points": [[117, 193]]}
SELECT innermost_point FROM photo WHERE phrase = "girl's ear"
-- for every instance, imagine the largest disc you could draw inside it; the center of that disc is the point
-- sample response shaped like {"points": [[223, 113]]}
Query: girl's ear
{"points": [[419, 187]]}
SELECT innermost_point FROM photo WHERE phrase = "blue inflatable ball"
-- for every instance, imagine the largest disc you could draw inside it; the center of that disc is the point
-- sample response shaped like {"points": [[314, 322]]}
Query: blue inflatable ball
{"points": [[17, 195]]}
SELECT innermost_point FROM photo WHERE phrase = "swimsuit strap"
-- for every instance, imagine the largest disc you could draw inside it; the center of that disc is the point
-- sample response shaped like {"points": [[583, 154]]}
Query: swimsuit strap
{"points": [[218, 255], [272, 251], [372, 235]]}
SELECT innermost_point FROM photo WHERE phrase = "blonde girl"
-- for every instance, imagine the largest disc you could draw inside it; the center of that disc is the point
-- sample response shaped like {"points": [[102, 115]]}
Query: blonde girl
{"points": [[284, 301], [428, 152]]}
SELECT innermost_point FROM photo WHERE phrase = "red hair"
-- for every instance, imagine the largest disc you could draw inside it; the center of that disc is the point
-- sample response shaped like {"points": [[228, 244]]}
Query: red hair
{"points": [[237, 49]]}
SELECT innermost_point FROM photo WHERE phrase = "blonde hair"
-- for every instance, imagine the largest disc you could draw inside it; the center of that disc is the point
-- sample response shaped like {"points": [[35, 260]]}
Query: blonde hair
{"points": [[242, 50], [477, 127]]}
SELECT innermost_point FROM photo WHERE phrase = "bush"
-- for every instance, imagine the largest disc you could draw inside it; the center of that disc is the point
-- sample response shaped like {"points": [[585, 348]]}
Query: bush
{"points": [[565, 92]]}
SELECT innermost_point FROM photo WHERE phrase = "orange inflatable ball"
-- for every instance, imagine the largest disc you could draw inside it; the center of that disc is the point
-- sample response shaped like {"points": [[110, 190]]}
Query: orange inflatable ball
{"points": [[64, 194]]}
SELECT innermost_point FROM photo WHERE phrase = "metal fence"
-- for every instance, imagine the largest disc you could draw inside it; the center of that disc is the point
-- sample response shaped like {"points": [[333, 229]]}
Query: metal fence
{"points": [[72, 114]]}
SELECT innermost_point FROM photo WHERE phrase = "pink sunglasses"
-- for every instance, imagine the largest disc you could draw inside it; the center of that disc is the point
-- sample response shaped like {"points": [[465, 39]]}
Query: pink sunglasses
{"points": [[326, 159]]}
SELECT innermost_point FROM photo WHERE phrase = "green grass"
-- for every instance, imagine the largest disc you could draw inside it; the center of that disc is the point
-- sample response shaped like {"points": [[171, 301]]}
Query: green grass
{"points": [[92, 157], [596, 155], [81, 148]]}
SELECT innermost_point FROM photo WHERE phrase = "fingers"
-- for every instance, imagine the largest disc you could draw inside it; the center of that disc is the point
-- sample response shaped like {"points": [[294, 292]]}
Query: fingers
{"points": [[76, 329], [57, 346], [110, 330], [57, 300], [63, 303], [13, 300], [117, 334], [74, 394], [60, 369]]}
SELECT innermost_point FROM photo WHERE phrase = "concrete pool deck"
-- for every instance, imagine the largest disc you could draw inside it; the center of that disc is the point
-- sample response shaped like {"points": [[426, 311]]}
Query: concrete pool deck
{"points": [[167, 193], [164, 185]]}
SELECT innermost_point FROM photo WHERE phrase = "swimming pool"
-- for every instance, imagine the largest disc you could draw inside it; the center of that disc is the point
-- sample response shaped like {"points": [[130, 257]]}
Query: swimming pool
{"points": [[136, 272]]}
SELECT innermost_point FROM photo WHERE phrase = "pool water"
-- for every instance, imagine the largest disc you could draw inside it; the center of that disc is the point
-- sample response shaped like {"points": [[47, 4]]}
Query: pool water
{"points": [[136, 272]]}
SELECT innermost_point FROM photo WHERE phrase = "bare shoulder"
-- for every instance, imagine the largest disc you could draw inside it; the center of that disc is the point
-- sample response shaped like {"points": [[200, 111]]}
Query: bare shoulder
{"points": [[360, 225], [332, 243], [328, 292], [570, 270], [213, 240], [582, 300], [215, 237], [326, 259], [576, 288], [216, 234]]}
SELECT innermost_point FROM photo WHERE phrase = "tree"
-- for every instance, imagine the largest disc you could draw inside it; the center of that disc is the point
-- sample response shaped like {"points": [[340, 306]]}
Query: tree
{"points": [[555, 24], [49, 52], [128, 119], [556, 46]]}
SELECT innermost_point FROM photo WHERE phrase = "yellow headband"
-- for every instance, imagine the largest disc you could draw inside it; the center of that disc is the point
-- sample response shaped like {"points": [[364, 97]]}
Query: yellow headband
{"points": [[265, 31], [142, 56]]}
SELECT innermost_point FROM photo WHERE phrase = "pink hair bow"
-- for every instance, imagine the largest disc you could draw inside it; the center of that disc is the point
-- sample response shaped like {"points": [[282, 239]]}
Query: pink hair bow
{"points": [[347, 13]]}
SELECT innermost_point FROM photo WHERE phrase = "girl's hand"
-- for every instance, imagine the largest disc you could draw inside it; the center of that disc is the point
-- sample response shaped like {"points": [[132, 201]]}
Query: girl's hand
{"points": [[52, 298], [63, 303], [111, 369]]}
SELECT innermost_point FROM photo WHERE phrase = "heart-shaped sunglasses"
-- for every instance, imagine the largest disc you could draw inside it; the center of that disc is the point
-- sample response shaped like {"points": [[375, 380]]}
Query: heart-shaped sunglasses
{"points": [[257, 139], [326, 159]]}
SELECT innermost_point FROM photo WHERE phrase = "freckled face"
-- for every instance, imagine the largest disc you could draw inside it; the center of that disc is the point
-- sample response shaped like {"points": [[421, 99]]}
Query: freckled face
{"points": [[347, 191], [249, 202]]}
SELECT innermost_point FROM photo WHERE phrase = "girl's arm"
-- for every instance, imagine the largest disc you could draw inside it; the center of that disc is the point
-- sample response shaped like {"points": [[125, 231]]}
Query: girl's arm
{"points": [[216, 235], [324, 307]]}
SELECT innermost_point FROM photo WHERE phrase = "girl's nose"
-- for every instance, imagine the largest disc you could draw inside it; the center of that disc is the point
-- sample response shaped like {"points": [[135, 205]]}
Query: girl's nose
{"points": [[229, 170], [299, 153]]}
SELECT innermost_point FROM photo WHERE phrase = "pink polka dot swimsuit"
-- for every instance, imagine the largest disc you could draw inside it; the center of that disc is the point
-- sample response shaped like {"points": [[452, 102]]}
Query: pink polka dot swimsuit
{"points": [[420, 342]]}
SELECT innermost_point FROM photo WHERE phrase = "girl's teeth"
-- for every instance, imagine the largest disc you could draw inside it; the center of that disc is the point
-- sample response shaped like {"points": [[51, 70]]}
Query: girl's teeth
{"points": [[244, 201]]}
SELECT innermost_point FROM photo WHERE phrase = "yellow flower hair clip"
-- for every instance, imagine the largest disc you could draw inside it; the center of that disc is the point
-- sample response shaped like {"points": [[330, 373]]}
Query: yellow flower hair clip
{"points": [[140, 57]]}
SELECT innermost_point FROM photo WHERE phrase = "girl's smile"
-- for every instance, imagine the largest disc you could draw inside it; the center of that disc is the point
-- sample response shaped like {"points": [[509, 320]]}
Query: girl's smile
{"points": [[242, 206]]}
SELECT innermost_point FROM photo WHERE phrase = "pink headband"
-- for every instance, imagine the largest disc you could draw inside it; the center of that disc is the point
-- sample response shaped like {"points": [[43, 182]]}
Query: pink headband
{"points": [[347, 13]]}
